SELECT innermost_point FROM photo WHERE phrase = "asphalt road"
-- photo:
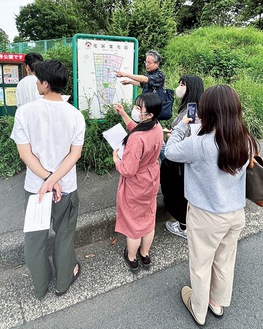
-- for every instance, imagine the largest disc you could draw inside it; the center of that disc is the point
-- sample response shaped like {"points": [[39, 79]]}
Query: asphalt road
{"points": [[153, 302]]}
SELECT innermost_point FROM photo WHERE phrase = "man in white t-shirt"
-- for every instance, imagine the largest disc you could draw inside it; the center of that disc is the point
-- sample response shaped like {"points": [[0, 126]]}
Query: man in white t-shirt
{"points": [[49, 134], [26, 90]]}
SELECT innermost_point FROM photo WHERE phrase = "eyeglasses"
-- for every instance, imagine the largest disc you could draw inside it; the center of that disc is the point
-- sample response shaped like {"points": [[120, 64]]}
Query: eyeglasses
{"points": [[138, 108], [149, 63]]}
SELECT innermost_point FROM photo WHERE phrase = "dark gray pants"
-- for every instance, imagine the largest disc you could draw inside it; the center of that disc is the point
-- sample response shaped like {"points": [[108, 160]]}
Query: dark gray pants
{"points": [[64, 218]]}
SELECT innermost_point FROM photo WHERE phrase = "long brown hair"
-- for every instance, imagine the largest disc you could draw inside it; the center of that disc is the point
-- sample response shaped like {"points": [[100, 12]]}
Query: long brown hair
{"points": [[220, 110]]}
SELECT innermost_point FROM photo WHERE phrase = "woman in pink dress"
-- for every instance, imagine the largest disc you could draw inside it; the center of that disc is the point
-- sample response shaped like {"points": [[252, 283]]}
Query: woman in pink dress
{"points": [[140, 177]]}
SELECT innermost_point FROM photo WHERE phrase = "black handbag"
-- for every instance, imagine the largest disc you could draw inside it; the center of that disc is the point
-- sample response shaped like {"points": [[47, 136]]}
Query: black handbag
{"points": [[254, 177], [167, 97]]}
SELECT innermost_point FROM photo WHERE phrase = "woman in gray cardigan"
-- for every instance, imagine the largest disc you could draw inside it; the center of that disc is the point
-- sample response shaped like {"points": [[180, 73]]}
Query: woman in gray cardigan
{"points": [[215, 175]]}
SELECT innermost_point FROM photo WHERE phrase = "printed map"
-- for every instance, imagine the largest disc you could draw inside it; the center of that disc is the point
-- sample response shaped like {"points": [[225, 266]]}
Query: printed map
{"points": [[106, 66]]}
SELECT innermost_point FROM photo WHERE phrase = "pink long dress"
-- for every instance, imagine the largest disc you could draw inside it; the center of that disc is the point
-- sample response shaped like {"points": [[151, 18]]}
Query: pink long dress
{"points": [[139, 182]]}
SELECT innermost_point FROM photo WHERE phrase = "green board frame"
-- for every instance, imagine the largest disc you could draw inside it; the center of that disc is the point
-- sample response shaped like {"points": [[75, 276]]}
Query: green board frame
{"points": [[100, 37]]}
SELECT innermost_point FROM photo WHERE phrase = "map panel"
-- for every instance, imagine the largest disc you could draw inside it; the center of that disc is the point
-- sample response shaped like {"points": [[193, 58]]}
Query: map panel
{"points": [[98, 61]]}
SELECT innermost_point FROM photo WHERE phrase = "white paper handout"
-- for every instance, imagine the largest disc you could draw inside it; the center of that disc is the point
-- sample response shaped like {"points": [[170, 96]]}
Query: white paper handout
{"points": [[38, 214], [114, 137]]}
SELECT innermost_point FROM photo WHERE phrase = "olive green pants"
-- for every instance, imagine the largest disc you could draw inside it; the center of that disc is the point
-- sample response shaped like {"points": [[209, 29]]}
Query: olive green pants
{"points": [[63, 221]]}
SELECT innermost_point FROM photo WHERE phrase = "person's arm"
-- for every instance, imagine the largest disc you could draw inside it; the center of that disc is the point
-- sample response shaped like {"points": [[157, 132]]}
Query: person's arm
{"points": [[66, 165], [136, 77], [120, 110], [131, 82], [131, 158], [178, 148], [31, 161]]}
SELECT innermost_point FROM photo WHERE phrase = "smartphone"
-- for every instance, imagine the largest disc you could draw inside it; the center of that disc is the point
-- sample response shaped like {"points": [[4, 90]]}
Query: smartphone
{"points": [[191, 111]]}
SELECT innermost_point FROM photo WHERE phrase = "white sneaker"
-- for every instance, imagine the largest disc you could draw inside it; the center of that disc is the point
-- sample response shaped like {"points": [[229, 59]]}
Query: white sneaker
{"points": [[174, 228]]}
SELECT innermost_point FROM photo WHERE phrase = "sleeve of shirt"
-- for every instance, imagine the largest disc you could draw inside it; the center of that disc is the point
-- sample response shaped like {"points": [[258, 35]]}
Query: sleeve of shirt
{"points": [[156, 79], [130, 162], [80, 132], [18, 133], [178, 148], [18, 102], [131, 125]]}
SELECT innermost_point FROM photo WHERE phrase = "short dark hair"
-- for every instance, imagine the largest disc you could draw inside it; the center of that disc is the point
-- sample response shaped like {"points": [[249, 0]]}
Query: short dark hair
{"points": [[155, 55], [54, 73], [152, 103], [31, 59]]}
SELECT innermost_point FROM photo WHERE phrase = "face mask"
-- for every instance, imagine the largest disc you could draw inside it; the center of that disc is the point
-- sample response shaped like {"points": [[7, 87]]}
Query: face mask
{"points": [[135, 115], [180, 91]]}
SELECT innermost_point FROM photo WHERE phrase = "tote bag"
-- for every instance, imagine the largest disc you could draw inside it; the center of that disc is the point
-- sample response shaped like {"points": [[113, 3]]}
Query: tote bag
{"points": [[167, 97], [254, 180]]}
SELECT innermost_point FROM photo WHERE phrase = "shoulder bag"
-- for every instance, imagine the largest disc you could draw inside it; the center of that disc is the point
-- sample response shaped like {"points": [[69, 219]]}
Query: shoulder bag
{"points": [[254, 178], [167, 97]]}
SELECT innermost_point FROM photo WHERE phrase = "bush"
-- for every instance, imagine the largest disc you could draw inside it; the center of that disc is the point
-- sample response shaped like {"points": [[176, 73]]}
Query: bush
{"points": [[97, 153], [10, 162], [63, 53], [220, 52], [222, 55]]}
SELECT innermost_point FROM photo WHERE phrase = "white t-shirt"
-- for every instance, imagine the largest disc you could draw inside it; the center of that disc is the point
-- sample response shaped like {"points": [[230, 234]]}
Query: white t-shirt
{"points": [[26, 90], [50, 127]]}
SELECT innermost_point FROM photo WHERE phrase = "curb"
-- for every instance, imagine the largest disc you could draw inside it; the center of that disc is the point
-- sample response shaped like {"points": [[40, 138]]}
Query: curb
{"points": [[91, 228]]}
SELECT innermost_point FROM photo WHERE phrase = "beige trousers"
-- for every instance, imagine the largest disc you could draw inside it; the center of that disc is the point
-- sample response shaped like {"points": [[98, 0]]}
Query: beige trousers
{"points": [[212, 243]]}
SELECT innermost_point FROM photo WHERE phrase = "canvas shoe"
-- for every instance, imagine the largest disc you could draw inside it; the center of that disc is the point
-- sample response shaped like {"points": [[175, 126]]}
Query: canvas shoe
{"points": [[217, 311], [174, 228], [186, 294]]}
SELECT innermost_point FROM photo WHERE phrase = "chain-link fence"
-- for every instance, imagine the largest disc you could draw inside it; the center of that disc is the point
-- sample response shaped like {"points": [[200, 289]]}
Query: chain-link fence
{"points": [[41, 46]]}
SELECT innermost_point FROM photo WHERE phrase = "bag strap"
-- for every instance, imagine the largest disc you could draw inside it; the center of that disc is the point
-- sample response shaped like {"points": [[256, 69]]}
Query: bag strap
{"points": [[254, 150]]}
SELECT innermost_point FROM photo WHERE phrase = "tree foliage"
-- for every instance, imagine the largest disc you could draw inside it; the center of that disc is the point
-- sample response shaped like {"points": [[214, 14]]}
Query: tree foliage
{"points": [[98, 13], [3, 37], [197, 13], [150, 22], [250, 12], [48, 19]]}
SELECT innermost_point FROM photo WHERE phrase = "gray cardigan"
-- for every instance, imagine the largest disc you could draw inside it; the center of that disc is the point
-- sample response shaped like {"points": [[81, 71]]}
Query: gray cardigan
{"points": [[206, 186]]}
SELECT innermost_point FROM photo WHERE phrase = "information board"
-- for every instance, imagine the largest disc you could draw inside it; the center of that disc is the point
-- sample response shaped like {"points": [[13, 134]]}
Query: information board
{"points": [[98, 62]]}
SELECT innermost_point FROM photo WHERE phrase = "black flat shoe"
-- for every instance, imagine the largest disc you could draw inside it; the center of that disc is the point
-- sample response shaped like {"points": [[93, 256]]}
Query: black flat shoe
{"points": [[133, 264], [74, 278], [146, 261]]}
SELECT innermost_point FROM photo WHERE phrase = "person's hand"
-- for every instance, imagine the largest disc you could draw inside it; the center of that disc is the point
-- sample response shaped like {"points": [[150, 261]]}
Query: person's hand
{"points": [[119, 109], [46, 187], [125, 82], [186, 120], [57, 189], [120, 74], [115, 155]]}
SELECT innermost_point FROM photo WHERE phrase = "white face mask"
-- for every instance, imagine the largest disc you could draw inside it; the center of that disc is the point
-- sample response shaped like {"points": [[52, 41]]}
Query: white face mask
{"points": [[135, 115], [180, 91]]}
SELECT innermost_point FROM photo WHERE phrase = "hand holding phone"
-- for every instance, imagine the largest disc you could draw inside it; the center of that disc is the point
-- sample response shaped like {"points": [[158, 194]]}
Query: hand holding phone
{"points": [[165, 130], [191, 111]]}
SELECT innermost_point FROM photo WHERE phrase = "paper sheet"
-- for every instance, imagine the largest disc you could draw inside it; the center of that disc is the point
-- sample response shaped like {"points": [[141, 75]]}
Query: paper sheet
{"points": [[114, 137], [38, 214]]}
